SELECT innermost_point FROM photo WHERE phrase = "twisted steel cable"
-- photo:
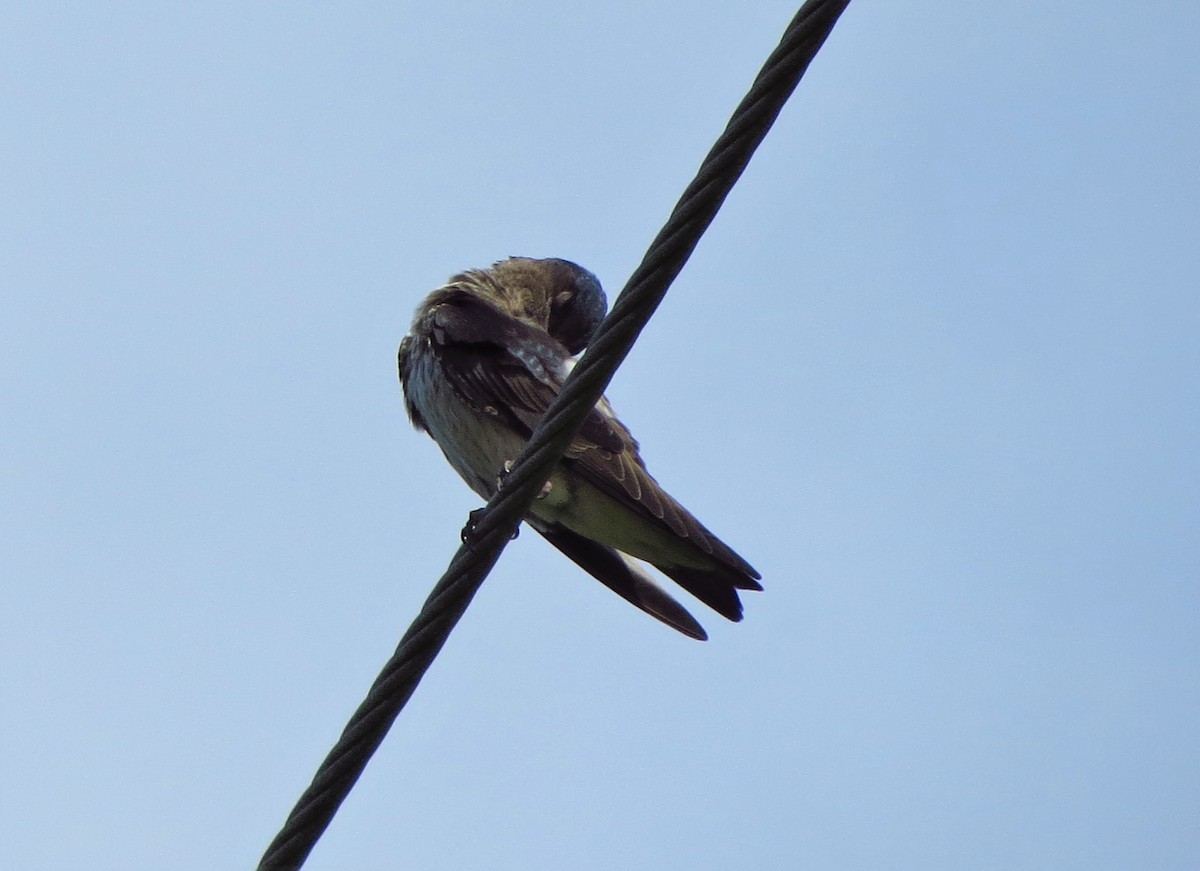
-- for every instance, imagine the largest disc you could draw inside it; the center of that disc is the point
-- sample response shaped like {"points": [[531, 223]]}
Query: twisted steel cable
{"points": [[495, 526]]}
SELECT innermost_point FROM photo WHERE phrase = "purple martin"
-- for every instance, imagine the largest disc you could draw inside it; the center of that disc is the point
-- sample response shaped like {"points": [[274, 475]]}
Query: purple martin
{"points": [[486, 355]]}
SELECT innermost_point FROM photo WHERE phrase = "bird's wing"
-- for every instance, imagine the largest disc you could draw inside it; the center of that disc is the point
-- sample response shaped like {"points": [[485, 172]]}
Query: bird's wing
{"points": [[507, 369], [511, 371]]}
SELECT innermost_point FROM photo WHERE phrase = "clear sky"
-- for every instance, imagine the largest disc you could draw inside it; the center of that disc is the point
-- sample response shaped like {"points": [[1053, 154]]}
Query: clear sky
{"points": [[934, 370]]}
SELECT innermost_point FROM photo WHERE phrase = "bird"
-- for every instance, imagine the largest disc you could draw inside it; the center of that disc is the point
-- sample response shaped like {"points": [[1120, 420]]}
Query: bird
{"points": [[485, 356]]}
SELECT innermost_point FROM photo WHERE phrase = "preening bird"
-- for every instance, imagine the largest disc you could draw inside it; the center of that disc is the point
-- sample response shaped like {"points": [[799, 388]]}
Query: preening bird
{"points": [[485, 356]]}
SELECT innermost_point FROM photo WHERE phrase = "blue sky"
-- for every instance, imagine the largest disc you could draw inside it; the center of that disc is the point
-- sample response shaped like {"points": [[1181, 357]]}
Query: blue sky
{"points": [[934, 371]]}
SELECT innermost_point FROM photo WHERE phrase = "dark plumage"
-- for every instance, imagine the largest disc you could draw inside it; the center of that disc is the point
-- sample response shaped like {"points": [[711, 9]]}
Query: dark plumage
{"points": [[486, 355]]}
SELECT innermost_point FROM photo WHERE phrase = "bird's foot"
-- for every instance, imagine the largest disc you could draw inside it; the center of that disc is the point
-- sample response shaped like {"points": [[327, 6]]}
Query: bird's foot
{"points": [[508, 467], [468, 531], [504, 470]]}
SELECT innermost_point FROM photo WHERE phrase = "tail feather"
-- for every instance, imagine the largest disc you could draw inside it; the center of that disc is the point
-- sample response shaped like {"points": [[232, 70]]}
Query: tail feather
{"points": [[715, 587], [612, 569]]}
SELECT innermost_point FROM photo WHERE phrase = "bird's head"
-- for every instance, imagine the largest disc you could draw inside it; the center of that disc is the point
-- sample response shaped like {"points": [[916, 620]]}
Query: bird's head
{"points": [[561, 297]]}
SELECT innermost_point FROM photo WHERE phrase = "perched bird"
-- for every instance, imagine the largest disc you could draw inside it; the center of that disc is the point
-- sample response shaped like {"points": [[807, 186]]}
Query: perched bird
{"points": [[486, 355]]}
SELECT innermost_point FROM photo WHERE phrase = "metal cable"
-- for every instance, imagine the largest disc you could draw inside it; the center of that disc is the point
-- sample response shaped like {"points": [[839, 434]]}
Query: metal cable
{"points": [[494, 528]]}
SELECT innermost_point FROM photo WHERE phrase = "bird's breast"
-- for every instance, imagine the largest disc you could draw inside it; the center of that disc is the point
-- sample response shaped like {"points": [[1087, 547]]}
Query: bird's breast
{"points": [[476, 444]]}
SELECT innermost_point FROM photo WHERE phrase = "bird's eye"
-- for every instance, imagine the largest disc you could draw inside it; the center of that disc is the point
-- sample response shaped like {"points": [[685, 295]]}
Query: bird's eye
{"points": [[564, 296]]}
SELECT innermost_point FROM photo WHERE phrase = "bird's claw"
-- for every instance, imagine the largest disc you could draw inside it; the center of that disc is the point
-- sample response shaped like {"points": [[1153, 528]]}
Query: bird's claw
{"points": [[503, 473], [508, 467], [468, 531]]}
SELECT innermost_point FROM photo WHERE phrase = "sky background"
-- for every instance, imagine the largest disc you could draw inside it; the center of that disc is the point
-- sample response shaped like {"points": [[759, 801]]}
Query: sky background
{"points": [[934, 370]]}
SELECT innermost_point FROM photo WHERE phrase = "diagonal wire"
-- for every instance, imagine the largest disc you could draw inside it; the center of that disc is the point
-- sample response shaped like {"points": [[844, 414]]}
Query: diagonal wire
{"points": [[644, 291]]}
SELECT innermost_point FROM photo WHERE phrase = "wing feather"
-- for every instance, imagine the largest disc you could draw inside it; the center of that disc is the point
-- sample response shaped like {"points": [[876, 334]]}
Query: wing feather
{"points": [[512, 371]]}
